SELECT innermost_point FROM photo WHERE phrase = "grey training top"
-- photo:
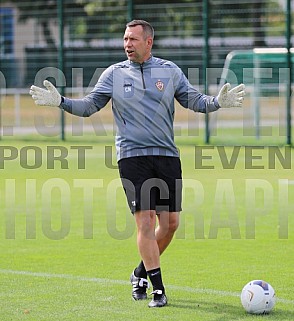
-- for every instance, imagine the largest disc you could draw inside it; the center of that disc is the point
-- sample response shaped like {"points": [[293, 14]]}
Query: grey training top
{"points": [[143, 104]]}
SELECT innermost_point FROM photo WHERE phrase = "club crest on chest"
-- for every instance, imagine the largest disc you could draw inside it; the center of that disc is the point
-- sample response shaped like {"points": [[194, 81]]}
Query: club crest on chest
{"points": [[159, 85]]}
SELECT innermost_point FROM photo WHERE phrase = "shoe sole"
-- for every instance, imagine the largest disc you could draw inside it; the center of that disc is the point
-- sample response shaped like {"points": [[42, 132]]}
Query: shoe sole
{"points": [[140, 299]]}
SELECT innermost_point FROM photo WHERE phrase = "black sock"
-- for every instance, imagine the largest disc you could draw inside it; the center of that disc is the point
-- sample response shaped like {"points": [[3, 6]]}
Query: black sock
{"points": [[140, 271], [156, 279]]}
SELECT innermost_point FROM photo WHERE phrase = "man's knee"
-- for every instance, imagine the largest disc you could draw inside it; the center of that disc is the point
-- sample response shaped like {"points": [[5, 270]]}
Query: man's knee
{"points": [[173, 225], [145, 220]]}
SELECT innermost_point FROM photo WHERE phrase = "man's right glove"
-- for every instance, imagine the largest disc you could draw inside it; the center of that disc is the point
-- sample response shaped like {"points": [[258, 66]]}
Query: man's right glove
{"points": [[231, 98], [43, 97]]}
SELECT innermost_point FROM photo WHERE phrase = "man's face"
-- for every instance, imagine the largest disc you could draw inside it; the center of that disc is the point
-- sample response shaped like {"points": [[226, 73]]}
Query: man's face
{"points": [[137, 48]]}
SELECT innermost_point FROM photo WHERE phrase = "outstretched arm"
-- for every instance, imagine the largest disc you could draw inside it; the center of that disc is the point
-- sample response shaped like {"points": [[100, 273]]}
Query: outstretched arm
{"points": [[84, 107], [191, 98]]}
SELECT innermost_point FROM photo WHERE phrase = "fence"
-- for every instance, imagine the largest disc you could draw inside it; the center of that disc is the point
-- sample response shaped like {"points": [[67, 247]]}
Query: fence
{"points": [[92, 40]]}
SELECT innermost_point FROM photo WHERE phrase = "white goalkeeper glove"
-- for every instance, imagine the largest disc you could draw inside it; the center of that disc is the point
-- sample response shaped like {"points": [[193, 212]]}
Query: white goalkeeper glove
{"points": [[43, 97], [231, 98]]}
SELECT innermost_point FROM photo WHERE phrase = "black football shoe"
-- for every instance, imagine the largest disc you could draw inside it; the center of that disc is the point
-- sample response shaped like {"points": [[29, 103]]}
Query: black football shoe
{"points": [[140, 286], [159, 299]]}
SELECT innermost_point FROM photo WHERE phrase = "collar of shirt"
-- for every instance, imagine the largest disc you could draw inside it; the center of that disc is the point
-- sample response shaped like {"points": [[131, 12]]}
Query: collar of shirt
{"points": [[147, 62]]}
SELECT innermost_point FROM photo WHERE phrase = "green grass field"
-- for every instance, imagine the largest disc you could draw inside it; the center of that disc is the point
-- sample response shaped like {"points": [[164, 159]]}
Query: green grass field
{"points": [[68, 242]]}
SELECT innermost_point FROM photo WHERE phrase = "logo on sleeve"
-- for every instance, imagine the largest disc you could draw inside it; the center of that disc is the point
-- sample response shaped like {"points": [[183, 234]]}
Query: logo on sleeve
{"points": [[159, 85]]}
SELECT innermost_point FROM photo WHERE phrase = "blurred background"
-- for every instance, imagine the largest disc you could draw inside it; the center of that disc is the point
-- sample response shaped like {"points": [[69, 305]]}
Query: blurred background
{"points": [[83, 37]]}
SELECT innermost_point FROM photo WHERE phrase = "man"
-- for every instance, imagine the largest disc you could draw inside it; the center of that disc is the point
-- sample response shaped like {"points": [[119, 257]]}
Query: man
{"points": [[142, 90]]}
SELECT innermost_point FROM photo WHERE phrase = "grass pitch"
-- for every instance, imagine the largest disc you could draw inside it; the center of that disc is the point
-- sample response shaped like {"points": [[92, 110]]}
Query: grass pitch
{"points": [[68, 242]]}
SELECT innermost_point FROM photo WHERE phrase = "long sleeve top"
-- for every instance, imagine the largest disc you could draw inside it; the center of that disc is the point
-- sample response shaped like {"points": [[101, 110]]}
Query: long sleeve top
{"points": [[143, 104]]}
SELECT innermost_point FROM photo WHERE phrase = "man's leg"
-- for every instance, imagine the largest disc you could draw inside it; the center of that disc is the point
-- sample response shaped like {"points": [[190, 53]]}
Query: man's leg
{"points": [[146, 239], [151, 244], [149, 251], [168, 223]]}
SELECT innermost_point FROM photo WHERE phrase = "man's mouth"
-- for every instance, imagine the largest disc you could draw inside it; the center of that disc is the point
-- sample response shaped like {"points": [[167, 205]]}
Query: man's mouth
{"points": [[130, 51]]}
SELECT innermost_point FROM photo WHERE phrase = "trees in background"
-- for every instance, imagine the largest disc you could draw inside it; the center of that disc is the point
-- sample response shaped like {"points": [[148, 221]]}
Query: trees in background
{"points": [[98, 19]]}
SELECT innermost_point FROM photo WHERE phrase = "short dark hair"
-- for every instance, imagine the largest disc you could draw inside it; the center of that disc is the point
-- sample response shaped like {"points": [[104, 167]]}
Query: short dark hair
{"points": [[147, 28]]}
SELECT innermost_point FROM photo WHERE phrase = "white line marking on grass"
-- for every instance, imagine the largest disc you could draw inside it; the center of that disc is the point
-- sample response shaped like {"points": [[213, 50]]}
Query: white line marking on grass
{"points": [[123, 282], [63, 276]]}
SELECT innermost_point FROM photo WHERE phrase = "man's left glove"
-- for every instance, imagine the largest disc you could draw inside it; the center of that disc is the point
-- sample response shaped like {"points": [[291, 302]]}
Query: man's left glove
{"points": [[43, 97], [231, 98]]}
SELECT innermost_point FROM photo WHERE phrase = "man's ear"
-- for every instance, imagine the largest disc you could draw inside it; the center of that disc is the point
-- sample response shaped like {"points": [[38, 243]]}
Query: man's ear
{"points": [[150, 42]]}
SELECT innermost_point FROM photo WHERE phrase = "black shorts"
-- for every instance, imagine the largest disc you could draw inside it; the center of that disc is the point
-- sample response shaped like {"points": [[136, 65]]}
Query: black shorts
{"points": [[152, 183]]}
